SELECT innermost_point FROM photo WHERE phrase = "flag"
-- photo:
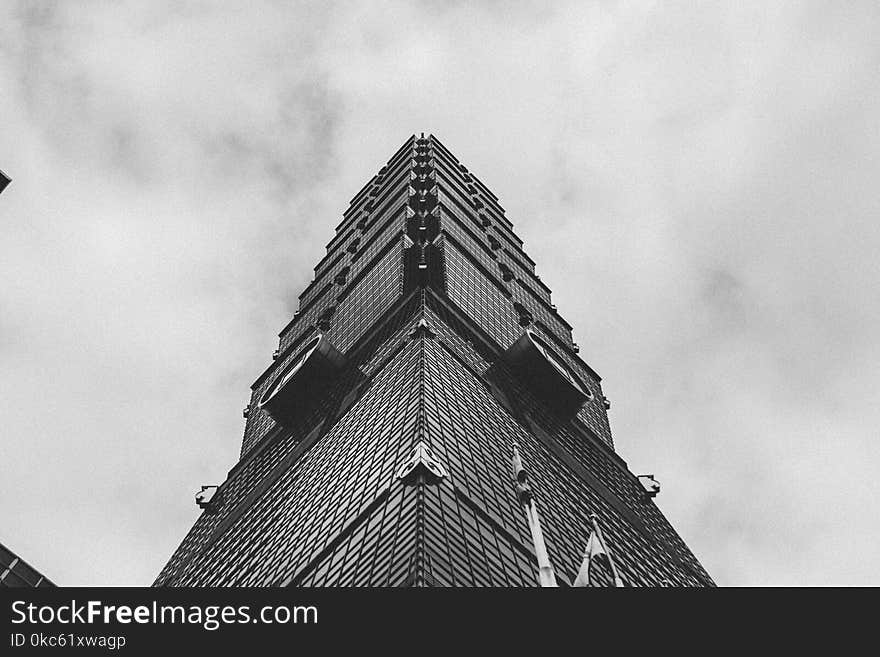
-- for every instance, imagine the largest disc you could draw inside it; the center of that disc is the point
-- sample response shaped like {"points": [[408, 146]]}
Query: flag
{"points": [[546, 576], [593, 552]]}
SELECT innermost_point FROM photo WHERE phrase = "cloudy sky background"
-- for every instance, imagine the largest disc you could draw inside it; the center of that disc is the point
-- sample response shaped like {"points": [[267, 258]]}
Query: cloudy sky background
{"points": [[698, 183]]}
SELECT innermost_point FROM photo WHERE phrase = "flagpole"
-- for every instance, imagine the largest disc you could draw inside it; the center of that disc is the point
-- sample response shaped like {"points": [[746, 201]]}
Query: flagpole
{"points": [[546, 576], [595, 520]]}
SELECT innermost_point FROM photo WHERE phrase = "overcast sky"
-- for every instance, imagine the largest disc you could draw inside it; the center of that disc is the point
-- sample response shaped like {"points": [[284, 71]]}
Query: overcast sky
{"points": [[697, 182]]}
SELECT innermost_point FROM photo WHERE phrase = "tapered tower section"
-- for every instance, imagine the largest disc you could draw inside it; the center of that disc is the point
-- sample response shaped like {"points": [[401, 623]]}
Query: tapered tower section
{"points": [[377, 445]]}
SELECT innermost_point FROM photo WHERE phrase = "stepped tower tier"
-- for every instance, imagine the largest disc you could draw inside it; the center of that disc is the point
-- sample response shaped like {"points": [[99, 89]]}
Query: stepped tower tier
{"points": [[377, 443]]}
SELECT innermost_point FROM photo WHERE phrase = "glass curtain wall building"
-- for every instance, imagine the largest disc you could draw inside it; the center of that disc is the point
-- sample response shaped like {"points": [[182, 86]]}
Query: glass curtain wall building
{"points": [[16, 573], [377, 444]]}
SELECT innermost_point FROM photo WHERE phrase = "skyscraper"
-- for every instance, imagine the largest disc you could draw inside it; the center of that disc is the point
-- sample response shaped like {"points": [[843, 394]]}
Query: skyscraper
{"points": [[377, 445]]}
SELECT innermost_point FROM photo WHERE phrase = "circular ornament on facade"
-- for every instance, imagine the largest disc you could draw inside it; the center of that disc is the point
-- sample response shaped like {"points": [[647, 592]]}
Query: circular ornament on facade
{"points": [[561, 366], [301, 379], [547, 374]]}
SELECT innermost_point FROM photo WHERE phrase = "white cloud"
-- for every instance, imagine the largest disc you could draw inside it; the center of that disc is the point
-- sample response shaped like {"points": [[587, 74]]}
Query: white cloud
{"points": [[696, 185]]}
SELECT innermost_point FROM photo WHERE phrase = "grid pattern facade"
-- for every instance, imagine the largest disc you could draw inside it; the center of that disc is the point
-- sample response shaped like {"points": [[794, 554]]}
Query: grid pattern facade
{"points": [[423, 289], [16, 573]]}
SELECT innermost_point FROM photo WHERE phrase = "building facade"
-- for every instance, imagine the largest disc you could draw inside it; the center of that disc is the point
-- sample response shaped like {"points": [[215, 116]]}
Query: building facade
{"points": [[377, 445], [16, 573]]}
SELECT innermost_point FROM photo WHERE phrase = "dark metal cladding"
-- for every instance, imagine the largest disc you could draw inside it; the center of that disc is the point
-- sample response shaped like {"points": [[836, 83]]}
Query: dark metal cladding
{"points": [[396, 468]]}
